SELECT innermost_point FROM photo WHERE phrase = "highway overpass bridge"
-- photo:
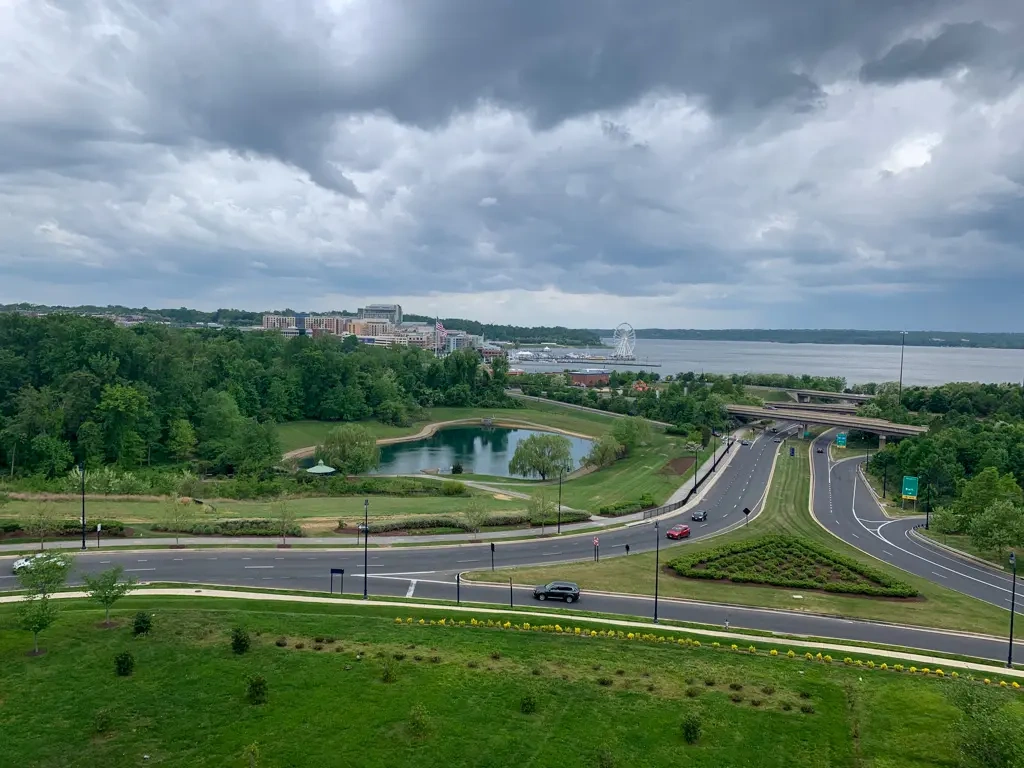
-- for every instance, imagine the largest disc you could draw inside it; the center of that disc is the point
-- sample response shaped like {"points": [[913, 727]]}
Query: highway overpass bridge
{"points": [[880, 427], [804, 395], [787, 405]]}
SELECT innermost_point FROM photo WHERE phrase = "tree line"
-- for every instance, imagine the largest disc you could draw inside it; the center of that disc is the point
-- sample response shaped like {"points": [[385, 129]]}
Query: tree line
{"points": [[79, 389]]}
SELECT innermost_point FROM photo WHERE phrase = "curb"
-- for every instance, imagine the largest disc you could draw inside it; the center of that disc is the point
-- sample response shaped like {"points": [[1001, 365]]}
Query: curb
{"points": [[925, 540]]}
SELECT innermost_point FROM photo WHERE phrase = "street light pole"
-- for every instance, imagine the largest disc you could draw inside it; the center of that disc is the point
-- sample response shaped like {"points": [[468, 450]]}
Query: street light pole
{"points": [[559, 501], [696, 461], [903, 346], [657, 554], [366, 538], [1013, 608], [82, 469], [714, 453]]}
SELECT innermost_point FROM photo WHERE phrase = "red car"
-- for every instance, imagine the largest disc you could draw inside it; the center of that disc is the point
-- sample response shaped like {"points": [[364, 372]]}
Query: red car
{"points": [[678, 532]]}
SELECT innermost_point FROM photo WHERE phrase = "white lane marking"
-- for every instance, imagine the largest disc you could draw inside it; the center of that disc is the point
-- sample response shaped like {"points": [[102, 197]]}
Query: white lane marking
{"points": [[258, 566], [890, 554], [211, 558], [142, 561], [940, 575], [411, 589], [279, 558], [550, 553], [467, 561], [132, 570], [103, 562], [247, 558], [178, 558], [7, 577], [854, 535]]}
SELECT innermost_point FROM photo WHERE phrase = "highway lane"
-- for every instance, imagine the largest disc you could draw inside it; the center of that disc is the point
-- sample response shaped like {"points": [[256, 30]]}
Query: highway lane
{"points": [[743, 483], [845, 505]]}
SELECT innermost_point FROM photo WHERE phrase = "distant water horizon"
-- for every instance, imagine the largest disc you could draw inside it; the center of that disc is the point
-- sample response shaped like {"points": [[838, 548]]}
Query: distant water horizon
{"points": [[857, 363]]}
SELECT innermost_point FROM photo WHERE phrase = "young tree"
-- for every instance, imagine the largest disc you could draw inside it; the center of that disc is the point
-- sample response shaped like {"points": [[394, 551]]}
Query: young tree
{"points": [[475, 516], [46, 574], [632, 431], [1001, 525], [542, 509], [41, 522], [284, 516], [543, 455], [604, 452], [107, 588], [350, 449], [181, 439], [179, 515], [35, 614], [52, 455]]}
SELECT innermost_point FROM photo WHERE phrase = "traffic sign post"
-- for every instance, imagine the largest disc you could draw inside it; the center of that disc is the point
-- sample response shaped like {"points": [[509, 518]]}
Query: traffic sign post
{"points": [[597, 549], [792, 451], [746, 515], [841, 439], [492, 555], [910, 488], [338, 572]]}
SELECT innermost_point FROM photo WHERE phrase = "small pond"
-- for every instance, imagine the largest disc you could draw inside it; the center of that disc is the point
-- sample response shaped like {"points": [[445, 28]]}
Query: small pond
{"points": [[480, 450]]}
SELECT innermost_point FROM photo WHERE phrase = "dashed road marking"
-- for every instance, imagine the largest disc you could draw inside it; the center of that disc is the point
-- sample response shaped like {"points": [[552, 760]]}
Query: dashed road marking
{"points": [[411, 589]]}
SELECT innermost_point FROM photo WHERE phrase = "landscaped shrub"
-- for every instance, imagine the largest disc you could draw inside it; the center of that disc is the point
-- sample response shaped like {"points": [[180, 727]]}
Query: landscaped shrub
{"points": [[807, 709], [528, 705], [419, 721], [142, 623], [281, 642], [299, 646], [240, 640], [258, 527], [788, 561], [605, 681], [256, 689], [736, 686], [102, 721], [454, 488], [691, 727], [503, 519], [389, 672], [124, 664], [692, 693]]}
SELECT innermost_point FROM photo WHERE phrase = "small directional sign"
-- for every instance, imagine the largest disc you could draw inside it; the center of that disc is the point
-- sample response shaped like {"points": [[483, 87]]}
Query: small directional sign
{"points": [[841, 439], [910, 487], [792, 451]]}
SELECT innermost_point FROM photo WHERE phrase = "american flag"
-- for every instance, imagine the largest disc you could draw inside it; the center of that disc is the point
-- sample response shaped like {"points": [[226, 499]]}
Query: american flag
{"points": [[441, 332]]}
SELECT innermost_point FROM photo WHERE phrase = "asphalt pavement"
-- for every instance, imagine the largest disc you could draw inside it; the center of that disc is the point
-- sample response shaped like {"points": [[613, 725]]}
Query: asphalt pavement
{"points": [[846, 506]]}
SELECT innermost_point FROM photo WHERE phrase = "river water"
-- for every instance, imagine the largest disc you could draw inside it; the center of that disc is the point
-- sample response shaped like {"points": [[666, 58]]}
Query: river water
{"points": [[859, 363]]}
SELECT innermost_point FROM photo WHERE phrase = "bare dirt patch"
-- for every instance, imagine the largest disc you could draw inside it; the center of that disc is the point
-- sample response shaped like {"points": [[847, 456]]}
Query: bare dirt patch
{"points": [[502, 497], [678, 466]]}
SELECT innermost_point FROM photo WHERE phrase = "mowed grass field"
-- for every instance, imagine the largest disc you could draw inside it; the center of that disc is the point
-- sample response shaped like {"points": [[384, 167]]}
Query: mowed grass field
{"points": [[786, 511], [454, 697]]}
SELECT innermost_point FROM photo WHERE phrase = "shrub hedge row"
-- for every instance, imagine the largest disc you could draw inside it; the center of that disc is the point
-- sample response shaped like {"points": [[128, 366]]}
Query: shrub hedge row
{"points": [[767, 560], [421, 522], [258, 527], [67, 527], [620, 508]]}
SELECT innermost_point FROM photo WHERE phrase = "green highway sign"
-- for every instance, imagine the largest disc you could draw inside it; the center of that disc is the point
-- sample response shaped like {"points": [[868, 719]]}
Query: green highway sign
{"points": [[841, 439], [909, 487]]}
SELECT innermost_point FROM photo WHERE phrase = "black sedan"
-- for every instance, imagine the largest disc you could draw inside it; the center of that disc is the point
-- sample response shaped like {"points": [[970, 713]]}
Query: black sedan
{"points": [[558, 590], [699, 515]]}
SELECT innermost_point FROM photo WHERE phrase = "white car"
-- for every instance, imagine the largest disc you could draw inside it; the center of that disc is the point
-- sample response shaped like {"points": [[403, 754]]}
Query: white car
{"points": [[23, 563]]}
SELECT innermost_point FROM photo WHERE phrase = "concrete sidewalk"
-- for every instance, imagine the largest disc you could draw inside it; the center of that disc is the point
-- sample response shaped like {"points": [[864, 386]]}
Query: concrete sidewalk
{"points": [[739, 638], [381, 540]]}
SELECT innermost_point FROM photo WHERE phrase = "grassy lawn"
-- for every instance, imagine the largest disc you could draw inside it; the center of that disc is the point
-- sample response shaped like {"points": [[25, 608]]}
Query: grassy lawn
{"points": [[785, 512], [300, 434], [455, 697], [768, 395], [326, 507]]}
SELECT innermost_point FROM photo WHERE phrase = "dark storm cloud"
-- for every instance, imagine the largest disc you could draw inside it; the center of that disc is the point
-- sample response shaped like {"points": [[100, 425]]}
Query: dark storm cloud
{"points": [[955, 46]]}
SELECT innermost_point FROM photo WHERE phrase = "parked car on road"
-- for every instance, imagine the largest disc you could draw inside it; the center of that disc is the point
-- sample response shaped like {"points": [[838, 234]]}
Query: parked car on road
{"points": [[699, 515], [558, 590], [678, 532]]}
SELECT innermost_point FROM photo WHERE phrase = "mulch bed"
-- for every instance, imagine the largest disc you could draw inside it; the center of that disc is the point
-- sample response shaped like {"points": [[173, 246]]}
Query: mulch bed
{"points": [[678, 466]]}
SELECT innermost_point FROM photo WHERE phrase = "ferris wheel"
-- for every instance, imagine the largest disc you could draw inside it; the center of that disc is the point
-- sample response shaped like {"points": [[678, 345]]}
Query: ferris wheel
{"points": [[625, 340]]}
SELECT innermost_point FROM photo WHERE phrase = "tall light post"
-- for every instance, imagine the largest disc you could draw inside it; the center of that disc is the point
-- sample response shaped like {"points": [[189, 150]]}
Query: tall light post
{"points": [[366, 538], [657, 553], [1013, 607], [714, 452], [81, 468], [696, 467], [903, 346], [559, 530]]}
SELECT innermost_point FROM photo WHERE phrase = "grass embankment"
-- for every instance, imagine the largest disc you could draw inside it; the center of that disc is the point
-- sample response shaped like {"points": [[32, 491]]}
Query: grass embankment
{"points": [[454, 697], [785, 512], [963, 543], [768, 395]]}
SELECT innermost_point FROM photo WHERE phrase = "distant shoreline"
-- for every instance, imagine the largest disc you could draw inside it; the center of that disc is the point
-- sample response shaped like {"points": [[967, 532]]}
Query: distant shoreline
{"points": [[932, 339]]}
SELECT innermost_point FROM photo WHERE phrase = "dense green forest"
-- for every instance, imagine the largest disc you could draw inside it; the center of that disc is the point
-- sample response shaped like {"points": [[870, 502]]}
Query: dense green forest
{"points": [[835, 336], [84, 389]]}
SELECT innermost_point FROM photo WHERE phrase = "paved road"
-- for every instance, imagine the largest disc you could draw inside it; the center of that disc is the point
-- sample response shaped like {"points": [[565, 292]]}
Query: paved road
{"points": [[844, 504], [430, 573]]}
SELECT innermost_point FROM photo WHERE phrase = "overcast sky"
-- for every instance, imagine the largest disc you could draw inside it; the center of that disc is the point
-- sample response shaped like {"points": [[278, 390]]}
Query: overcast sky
{"points": [[733, 163]]}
